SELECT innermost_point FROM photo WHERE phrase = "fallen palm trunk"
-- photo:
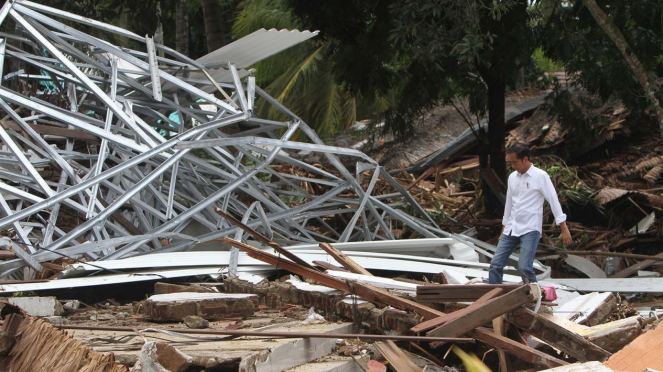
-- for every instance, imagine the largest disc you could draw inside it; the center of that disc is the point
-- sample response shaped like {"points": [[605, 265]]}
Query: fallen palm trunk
{"points": [[41, 347]]}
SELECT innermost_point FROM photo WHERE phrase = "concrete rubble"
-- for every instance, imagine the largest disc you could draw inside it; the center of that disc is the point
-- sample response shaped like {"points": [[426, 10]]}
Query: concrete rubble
{"points": [[210, 306], [204, 240]]}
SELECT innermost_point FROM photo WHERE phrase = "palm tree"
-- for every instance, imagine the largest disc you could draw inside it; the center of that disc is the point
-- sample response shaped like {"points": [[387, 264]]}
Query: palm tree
{"points": [[302, 77]]}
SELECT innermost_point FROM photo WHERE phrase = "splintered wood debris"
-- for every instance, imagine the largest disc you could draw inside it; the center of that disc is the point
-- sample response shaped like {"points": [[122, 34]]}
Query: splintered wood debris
{"points": [[116, 165]]}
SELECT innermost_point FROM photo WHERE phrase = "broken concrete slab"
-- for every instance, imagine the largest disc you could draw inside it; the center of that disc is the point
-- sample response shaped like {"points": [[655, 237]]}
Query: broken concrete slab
{"points": [[38, 306], [210, 306], [159, 356], [333, 363], [71, 305], [195, 322]]}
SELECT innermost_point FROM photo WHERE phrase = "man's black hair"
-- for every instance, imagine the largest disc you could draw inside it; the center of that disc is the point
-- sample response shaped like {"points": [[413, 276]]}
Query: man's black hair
{"points": [[520, 149]]}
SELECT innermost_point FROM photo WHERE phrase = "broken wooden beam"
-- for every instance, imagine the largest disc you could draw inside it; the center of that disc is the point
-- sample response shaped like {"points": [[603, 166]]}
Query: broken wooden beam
{"points": [[434, 323], [458, 292], [365, 291], [344, 260], [470, 318], [499, 330], [566, 340], [65, 133], [636, 267], [263, 239], [7, 255], [396, 357], [520, 351], [328, 266]]}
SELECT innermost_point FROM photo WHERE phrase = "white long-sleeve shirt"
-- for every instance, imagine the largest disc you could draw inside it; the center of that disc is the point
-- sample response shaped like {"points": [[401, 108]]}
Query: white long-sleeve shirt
{"points": [[523, 211]]}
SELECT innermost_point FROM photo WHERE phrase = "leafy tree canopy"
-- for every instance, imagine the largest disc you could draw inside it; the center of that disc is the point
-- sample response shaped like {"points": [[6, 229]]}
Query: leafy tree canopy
{"points": [[426, 50], [571, 35]]}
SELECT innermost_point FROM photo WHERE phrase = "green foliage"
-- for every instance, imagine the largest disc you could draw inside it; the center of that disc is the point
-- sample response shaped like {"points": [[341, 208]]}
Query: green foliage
{"points": [[24, 294], [574, 195], [422, 52], [302, 78], [569, 34], [546, 64]]}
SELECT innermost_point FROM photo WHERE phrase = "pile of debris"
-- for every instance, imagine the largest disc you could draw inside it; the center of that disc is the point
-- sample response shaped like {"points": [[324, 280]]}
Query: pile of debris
{"points": [[110, 152], [134, 164], [544, 325]]}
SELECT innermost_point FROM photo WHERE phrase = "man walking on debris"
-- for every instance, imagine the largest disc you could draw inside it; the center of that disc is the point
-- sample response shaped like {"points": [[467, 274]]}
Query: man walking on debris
{"points": [[527, 187]]}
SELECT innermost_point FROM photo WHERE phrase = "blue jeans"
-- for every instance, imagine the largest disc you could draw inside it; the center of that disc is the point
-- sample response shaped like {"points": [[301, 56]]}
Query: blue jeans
{"points": [[506, 246]]}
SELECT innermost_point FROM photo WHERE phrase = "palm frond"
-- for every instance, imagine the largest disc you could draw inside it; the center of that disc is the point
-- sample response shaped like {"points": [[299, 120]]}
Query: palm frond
{"points": [[348, 112], [290, 83], [257, 14], [327, 110]]}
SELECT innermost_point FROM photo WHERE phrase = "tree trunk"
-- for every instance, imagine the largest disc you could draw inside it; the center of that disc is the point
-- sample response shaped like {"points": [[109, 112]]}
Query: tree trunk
{"points": [[496, 153], [213, 21], [618, 39], [182, 27]]}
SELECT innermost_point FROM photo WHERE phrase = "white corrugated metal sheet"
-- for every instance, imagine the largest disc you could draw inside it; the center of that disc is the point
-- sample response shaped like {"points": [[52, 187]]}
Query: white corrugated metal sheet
{"points": [[257, 46], [623, 285], [90, 281], [244, 53]]}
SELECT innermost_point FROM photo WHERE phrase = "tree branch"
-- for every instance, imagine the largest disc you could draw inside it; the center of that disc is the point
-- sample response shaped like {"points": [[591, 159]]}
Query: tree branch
{"points": [[620, 42]]}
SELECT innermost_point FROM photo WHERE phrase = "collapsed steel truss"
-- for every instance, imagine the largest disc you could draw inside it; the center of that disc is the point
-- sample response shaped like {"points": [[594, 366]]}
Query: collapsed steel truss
{"points": [[104, 161]]}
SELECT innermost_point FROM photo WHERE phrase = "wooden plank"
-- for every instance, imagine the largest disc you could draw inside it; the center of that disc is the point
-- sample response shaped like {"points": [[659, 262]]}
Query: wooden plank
{"points": [[344, 260], [74, 134], [516, 349], [498, 330], [565, 340], [433, 323], [328, 266], [458, 293], [634, 268], [396, 357], [365, 291], [7, 255], [484, 287], [263, 239], [471, 318]]}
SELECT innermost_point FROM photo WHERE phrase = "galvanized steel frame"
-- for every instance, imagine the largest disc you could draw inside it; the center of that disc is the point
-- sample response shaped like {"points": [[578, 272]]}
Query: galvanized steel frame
{"points": [[133, 190]]}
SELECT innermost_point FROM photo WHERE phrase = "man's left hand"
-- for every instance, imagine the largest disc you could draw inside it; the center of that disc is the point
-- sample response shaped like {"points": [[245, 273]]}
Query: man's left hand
{"points": [[566, 235]]}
